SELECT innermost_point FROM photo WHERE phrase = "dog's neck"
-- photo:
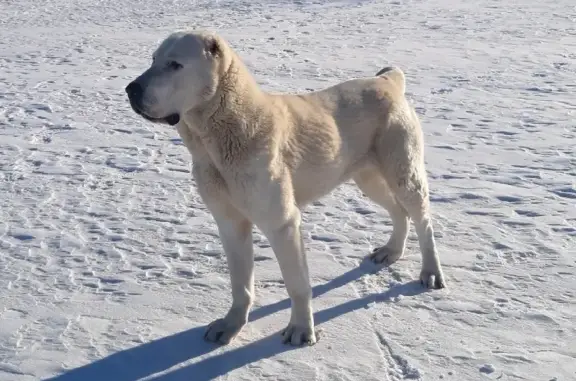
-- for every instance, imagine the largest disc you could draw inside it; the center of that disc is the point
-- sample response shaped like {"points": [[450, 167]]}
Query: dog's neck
{"points": [[229, 122]]}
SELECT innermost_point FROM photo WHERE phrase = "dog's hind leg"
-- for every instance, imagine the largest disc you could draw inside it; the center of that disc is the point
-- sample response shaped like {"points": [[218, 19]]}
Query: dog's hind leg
{"points": [[373, 185], [400, 153]]}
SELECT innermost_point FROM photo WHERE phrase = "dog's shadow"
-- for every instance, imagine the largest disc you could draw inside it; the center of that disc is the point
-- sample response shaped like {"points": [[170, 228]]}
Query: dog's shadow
{"points": [[159, 355]]}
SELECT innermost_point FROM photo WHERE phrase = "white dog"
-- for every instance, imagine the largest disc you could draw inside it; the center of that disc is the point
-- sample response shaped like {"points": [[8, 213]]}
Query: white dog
{"points": [[258, 158]]}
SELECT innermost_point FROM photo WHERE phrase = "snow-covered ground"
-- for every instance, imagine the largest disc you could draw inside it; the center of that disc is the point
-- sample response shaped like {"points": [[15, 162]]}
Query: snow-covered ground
{"points": [[110, 265]]}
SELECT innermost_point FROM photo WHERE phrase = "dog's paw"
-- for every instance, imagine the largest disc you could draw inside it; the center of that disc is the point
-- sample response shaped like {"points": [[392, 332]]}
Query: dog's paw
{"points": [[297, 335], [432, 278], [385, 256], [223, 331]]}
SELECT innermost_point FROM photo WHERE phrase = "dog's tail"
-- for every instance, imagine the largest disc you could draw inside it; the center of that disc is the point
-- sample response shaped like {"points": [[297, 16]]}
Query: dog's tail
{"points": [[396, 75]]}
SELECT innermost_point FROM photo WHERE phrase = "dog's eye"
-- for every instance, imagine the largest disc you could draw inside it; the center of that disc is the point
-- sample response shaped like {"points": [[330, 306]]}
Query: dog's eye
{"points": [[174, 65]]}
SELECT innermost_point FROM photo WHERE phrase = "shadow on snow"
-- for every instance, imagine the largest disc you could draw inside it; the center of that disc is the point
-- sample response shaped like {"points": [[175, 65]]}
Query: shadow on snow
{"points": [[159, 355]]}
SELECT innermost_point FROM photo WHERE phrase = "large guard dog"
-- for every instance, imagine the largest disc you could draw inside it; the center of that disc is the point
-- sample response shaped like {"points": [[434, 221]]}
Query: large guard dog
{"points": [[258, 158]]}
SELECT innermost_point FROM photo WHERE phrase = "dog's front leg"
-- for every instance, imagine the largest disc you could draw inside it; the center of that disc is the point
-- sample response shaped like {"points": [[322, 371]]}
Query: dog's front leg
{"points": [[286, 241], [236, 235]]}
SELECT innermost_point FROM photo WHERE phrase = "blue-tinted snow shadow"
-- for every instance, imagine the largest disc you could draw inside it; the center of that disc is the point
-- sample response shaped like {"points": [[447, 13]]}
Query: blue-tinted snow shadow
{"points": [[159, 355]]}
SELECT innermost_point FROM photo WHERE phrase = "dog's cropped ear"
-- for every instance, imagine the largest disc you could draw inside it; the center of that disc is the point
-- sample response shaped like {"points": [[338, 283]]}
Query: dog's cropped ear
{"points": [[213, 47]]}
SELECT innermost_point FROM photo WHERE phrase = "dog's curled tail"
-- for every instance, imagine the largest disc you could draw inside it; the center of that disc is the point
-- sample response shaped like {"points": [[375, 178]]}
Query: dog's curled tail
{"points": [[396, 75]]}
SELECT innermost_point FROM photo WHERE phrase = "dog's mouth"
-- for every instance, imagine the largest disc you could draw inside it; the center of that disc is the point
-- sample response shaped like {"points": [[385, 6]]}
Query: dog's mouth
{"points": [[171, 119]]}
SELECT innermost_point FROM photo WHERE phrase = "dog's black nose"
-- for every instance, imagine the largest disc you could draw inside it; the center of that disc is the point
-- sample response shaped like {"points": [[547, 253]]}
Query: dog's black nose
{"points": [[134, 90]]}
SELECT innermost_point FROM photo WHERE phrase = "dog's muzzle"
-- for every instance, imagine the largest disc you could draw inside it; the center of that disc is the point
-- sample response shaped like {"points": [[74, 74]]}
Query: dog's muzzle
{"points": [[135, 93]]}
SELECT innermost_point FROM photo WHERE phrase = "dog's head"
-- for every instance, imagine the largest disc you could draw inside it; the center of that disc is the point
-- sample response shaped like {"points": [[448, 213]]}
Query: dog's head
{"points": [[184, 73]]}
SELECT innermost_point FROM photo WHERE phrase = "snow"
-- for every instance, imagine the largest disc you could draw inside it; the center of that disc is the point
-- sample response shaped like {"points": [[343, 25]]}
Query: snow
{"points": [[111, 265]]}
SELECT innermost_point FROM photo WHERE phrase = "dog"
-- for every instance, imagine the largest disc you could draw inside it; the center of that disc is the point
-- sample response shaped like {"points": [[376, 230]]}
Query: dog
{"points": [[259, 158]]}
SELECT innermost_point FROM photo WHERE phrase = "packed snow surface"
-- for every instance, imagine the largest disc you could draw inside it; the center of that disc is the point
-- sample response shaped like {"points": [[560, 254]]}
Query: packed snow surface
{"points": [[111, 266]]}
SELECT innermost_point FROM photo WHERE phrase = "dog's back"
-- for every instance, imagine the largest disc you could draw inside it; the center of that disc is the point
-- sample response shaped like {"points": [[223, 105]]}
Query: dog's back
{"points": [[329, 134]]}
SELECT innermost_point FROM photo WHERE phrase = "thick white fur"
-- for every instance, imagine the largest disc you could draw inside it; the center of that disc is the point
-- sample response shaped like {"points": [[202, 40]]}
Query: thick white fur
{"points": [[258, 158]]}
